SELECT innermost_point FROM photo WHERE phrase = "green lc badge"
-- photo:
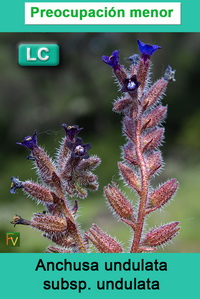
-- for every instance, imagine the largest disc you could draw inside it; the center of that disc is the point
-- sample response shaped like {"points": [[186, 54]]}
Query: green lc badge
{"points": [[38, 55]]}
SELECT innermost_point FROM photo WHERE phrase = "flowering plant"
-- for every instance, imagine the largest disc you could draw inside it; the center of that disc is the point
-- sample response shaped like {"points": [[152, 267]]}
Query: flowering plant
{"points": [[71, 174]]}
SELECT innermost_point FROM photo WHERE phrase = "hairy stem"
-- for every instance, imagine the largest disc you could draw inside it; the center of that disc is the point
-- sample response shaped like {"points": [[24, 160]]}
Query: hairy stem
{"points": [[67, 211], [144, 187]]}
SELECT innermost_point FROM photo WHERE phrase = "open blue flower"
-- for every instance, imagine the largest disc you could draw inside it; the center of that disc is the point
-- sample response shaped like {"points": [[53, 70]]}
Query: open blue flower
{"points": [[71, 131], [147, 50], [112, 60], [29, 141], [130, 84], [79, 150]]}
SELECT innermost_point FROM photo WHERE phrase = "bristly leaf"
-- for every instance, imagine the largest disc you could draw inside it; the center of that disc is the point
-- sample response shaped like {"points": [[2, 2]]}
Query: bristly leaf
{"points": [[153, 162], [103, 242], [143, 73], [161, 235], [88, 164], [38, 192], [44, 165], [130, 176], [155, 117], [155, 93], [129, 153], [48, 223], [122, 104], [162, 195], [152, 139], [118, 202], [129, 128]]}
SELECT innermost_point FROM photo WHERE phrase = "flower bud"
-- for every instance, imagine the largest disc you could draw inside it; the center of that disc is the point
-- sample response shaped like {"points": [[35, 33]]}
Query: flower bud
{"points": [[118, 202], [49, 224], [130, 128], [122, 104], [63, 154], [143, 73], [155, 93], [44, 165], [163, 194], [161, 235], [89, 164], [121, 74], [103, 242], [130, 153], [38, 192], [130, 176], [152, 139], [153, 162], [155, 117]]}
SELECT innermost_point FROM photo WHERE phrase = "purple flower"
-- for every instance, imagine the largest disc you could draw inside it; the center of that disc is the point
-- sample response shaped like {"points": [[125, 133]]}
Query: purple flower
{"points": [[131, 84], [146, 50], [112, 60], [29, 141], [79, 150], [71, 131], [16, 184]]}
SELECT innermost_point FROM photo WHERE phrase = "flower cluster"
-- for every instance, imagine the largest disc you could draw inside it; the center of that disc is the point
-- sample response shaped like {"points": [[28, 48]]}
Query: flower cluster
{"points": [[70, 174], [143, 115]]}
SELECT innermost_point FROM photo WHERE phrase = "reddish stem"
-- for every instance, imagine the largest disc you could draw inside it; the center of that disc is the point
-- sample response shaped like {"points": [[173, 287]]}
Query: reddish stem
{"points": [[144, 188]]}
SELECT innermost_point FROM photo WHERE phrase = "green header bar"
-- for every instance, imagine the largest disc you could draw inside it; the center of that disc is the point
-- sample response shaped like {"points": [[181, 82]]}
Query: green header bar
{"points": [[12, 19]]}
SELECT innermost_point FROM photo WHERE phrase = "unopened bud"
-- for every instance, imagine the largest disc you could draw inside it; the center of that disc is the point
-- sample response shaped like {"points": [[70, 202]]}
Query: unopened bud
{"points": [[48, 223], [38, 192], [120, 73], [130, 176], [130, 153], [155, 93], [155, 117], [118, 201], [89, 164], [161, 235], [143, 72], [44, 165], [130, 128], [153, 162], [122, 104], [153, 139], [103, 242], [163, 194]]}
